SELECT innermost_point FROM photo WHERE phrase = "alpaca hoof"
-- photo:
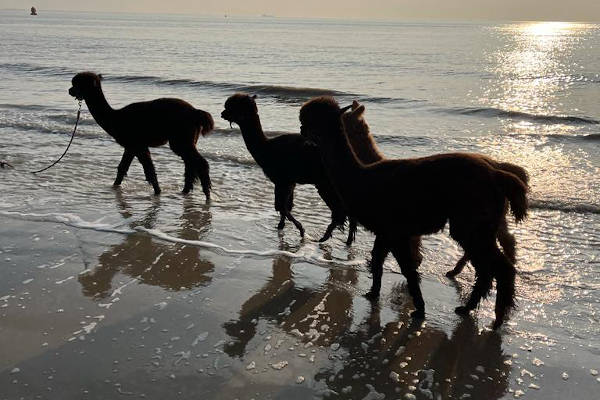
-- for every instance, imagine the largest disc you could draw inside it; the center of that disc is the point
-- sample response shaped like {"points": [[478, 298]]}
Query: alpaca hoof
{"points": [[156, 192], [371, 295], [461, 310], [418, 314], [497, 324]]}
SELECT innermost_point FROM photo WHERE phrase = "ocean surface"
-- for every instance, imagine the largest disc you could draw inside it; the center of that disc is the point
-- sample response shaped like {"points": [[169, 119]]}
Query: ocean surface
{"points": [[522, 92]]}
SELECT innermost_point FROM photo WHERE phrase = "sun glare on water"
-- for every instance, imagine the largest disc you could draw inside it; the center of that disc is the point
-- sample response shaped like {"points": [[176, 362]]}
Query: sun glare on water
{"points": [[533, 68]]}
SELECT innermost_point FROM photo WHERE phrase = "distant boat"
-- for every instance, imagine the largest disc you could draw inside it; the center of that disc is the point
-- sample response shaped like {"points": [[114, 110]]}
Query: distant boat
{"points": [[33, 11]]}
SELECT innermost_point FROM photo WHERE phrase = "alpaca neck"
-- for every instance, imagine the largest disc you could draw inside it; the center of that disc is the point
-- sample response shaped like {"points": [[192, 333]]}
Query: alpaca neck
{"points": [[254, 137], [365, 149], [100, 109], [342, 165]]}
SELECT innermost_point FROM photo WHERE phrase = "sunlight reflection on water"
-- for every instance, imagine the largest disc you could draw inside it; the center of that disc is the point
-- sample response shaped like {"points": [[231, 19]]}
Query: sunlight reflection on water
{"points": [[534, 68]]}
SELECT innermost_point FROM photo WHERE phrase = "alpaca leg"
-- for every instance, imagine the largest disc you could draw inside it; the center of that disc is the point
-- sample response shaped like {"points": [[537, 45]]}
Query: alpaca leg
{"points": [[123, 166], [328, 232], [149, 171], [408, 254], [338, 215], [282, 201], [505, 288], [201, 168], [483, 262], [281, 223], [188, 176], [196, 166], [289, 204], [378, 255], [296, 223], [351, 231], [460, 265], [507, 241]]}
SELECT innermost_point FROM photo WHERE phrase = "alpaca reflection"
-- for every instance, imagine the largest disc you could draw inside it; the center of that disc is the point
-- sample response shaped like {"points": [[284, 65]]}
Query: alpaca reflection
{"points": [[170, 266], [319, 314], [403, 353]]}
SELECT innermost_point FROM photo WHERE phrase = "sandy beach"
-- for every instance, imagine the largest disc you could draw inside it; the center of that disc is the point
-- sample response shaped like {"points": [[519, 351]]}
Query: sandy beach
{"points": [[87, 313]]}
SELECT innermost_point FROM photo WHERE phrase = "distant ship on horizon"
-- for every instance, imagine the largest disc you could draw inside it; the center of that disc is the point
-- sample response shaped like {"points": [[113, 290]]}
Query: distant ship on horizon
{"points": [[33, 11]]}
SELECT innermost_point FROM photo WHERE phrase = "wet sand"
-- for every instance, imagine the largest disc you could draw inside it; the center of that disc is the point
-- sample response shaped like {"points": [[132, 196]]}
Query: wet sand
{"points": [[86, 313]]}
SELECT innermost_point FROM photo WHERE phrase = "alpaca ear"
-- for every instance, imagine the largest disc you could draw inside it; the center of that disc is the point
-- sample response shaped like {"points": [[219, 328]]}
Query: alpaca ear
{"points": [[355, 105], [100, 77], [359, 111], [253, 97], [343, 110]]}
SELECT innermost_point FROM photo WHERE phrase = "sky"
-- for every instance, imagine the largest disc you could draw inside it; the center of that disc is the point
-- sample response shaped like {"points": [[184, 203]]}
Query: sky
{"points": [[547, 10]]}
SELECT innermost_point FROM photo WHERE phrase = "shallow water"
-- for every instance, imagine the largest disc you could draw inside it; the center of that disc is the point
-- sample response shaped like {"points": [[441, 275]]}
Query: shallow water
{"points": [[108, 293]]}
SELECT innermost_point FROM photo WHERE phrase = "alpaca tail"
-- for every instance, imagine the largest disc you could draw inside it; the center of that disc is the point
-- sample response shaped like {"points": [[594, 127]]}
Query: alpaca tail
{"points": [[520, 172], [205, 121], [515, 191]]}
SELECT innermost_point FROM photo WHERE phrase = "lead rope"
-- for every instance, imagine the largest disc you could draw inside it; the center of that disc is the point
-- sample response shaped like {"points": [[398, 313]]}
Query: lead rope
{"points": [[69, 145]]}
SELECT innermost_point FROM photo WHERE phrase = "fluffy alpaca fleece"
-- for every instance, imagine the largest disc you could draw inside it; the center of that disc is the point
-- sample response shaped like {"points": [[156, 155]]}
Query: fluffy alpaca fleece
{"points": [[139, 126], [401, 200], [360, 138], [363, 144], [286, 160]]}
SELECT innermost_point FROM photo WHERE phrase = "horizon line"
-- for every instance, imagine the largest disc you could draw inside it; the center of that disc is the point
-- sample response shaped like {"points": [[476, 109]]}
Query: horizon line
{"points": [[344, 18]]}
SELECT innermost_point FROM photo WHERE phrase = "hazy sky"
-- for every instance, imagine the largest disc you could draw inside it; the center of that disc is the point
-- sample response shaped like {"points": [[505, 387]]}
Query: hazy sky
{"points": [[556, 10]]}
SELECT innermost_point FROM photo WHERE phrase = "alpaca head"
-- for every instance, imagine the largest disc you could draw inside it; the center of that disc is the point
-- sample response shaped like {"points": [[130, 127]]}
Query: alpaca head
{"points": [[84, 84], [320, 118], [240, 108], [354, 123]]}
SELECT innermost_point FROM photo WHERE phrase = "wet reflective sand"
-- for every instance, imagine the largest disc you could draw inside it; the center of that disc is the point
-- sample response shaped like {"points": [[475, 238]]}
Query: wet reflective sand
{"points": [[93, 314]]}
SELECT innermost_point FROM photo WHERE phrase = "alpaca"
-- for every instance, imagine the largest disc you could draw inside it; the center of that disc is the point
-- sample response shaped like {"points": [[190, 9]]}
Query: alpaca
{"points": [[360, 138], [401, 200], [286, 160], [363, 144], [139, 126]]}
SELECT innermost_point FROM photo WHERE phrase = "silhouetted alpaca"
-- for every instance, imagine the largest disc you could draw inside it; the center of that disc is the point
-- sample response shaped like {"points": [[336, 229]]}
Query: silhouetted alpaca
{"points": [[359, 135], [366, 150], [400, 200], [139, 126], [286, 160]]}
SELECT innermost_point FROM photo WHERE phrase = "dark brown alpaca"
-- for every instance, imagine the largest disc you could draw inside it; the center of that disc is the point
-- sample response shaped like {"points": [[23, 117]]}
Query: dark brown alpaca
{"points": [[366, 150], [401, 200], [139, 126], [286, 160]]}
